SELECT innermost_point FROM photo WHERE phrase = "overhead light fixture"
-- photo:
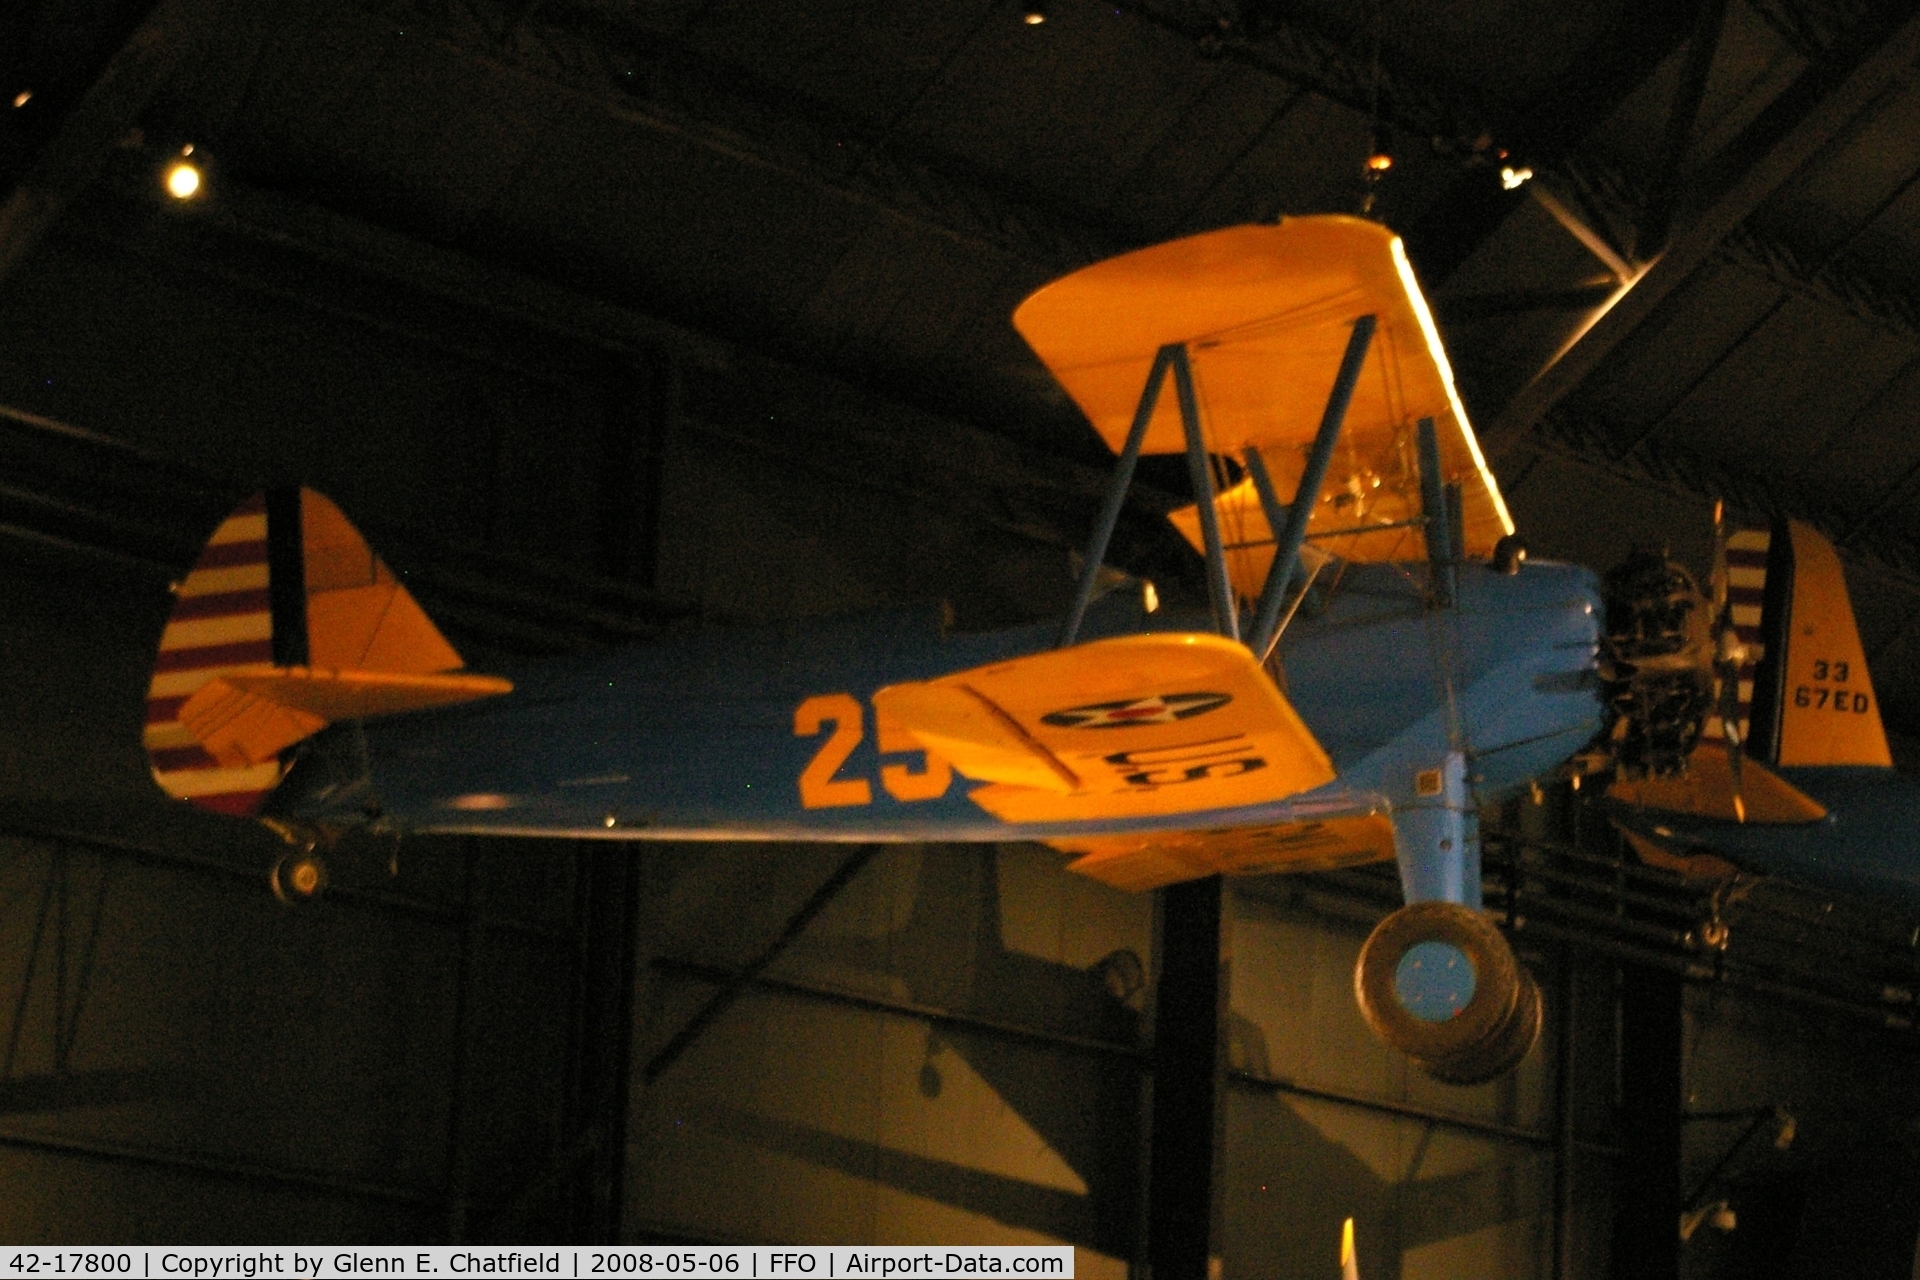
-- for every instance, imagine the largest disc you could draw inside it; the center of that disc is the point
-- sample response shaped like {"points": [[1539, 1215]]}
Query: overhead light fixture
{"points": [[183, 180], [23, 97], [1380, 151], [1512, 177], [182, 177], [1033, 13]]}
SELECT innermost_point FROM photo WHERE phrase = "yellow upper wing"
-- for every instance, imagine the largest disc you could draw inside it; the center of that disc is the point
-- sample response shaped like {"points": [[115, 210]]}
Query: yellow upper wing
{"points": [[1265, 312]]}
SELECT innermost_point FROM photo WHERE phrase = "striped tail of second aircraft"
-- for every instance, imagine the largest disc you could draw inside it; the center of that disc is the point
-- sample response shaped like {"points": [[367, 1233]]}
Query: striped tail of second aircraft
{"points": [[1812, 702], [1746, 596], [1805, 697]]}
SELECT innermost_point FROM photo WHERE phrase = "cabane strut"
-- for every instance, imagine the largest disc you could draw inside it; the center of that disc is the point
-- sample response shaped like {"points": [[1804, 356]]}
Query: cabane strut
{"points": [[1267, 622]]}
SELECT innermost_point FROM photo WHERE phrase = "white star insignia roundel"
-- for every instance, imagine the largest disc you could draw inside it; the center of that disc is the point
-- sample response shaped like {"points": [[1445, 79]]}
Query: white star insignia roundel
{"points": [[1160, 708]]}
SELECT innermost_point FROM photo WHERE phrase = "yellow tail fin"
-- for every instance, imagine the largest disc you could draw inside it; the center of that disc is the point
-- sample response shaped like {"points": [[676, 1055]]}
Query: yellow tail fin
{"points": [[286, 622], [1813, 701]]}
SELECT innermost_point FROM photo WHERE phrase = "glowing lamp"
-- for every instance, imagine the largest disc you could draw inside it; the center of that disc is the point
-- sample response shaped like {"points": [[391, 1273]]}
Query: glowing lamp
{"points": [[183, 180]]}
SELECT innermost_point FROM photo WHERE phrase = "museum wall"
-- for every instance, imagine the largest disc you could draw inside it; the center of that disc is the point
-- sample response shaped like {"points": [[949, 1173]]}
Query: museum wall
{"points": [[950, 1055], [1805, 1127], [1439, 1199]]}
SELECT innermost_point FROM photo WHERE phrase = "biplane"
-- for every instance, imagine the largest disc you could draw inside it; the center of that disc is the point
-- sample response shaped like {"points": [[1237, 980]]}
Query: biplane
{"points": [[1375, 661]]}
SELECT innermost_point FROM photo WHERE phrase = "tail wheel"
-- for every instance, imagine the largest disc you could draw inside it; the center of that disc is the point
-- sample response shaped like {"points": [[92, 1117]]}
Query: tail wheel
{"points": [[1500, 1052], [1438, 982], [298, 877]]}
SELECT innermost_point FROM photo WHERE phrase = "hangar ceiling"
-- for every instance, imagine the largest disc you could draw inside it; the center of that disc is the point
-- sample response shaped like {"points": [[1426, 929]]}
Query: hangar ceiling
{"points": [[1710, 287]]}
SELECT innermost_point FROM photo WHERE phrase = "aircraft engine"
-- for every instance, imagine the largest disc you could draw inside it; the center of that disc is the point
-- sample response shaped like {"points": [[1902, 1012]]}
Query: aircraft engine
{"points": [[1656, 665]]}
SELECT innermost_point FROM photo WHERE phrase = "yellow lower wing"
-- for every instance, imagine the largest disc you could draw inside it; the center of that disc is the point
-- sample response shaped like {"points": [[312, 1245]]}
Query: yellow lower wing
{"points": [[1149, 860], [1138, 726]]}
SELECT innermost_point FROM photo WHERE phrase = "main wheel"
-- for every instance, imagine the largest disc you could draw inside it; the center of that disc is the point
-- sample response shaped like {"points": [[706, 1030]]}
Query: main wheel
{"points": [[1503, 1050], [1437, 981]]}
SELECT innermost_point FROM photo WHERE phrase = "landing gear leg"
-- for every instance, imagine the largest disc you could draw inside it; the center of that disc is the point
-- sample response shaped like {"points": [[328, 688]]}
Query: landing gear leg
{"points": [[1435, 979]]}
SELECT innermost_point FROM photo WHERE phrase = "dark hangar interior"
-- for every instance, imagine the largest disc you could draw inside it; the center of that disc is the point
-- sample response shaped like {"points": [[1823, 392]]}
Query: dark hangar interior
{"points": [[608, 319]]}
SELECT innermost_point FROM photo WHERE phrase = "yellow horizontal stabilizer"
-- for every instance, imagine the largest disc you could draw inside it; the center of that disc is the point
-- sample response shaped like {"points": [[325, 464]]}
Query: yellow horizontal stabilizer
{"points": [[241, 730], [246, 715], [1706, 790], [1150, 860], [1129, 727], [1692, 866], [1265, 312]]}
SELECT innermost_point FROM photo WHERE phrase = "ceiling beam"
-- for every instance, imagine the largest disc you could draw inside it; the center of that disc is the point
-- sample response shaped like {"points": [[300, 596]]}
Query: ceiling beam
{"points": [[591, 54], [1789, 132], [1431, 106], [1752, 497], [641, 79], [1891, 308], [173, 31], [266, 242], [726, 111], [1656, 213], [651, 80]]}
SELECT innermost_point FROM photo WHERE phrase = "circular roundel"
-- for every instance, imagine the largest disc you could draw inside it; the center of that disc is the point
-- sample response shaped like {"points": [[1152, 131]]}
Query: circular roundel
{"points": [[1435, 979], [1500, 1052]]}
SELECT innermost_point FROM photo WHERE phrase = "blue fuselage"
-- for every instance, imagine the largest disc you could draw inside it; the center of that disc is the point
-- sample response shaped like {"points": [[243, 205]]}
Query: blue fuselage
{"points": [[694, 736]]}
